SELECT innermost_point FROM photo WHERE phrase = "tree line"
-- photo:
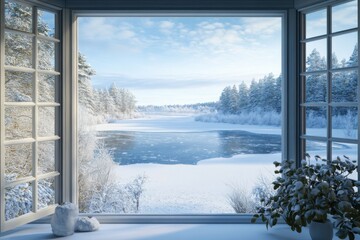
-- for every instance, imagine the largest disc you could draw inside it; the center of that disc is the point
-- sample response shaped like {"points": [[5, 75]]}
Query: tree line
{"points": [[107, 103], [265, 94]]}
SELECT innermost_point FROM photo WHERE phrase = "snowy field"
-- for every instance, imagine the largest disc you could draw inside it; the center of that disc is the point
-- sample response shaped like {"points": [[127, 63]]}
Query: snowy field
{"points": [[201, 188]]}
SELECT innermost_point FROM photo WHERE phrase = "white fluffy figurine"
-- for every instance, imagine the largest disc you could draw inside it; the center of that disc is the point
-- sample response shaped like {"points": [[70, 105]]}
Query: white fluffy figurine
{"points": [[64, 219], [87, 224]]}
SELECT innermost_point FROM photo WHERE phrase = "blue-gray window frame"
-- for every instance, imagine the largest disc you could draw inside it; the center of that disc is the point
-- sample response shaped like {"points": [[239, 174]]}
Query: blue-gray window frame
{"points": [[302, 74], [288, 104]]}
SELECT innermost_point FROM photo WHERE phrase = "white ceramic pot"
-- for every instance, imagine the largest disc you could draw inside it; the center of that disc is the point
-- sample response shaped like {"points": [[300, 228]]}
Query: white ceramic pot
{"points": [[321, 231]]}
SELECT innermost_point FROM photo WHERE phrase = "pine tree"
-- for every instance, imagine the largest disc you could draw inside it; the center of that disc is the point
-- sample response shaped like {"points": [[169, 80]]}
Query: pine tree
{"points": [[243, 97]]}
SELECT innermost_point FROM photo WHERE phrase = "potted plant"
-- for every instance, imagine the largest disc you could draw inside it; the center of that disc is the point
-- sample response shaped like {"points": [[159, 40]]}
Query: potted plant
{"points": [[315, 194]]}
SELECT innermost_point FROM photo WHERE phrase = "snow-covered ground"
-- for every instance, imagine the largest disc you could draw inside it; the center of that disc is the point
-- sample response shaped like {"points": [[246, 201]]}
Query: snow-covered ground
{"points": [[202, 188]]}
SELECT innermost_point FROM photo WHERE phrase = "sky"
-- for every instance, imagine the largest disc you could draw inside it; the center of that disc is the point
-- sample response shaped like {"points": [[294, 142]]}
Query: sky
{"points": [[180, 60]]}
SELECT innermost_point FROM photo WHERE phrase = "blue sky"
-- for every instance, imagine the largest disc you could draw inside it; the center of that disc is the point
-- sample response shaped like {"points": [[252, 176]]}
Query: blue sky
{"points": [[179, 60]]}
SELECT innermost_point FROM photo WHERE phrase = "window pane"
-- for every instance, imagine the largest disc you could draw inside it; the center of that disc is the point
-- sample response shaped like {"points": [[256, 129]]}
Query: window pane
{"points": [[316, 88], [345, 122], [348, 150], [46, 55], [315, 148], [18, 200], [344, 16], [18, 122], [18, 161], [46, 192], [316, 23], [46, 23], [316, 121], [46, 125], [316, 55], [18, 50], [344, 52], [18, 86], [345, 86], [47, 88], [18, 16], [46, 161]]}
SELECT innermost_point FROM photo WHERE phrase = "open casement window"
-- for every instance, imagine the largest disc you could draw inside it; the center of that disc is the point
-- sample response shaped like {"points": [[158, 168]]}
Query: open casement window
{"points": [[329, 81], [30, 112]]}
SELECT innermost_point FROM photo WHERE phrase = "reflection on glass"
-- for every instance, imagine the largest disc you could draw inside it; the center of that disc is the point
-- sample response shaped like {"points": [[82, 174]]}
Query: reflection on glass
{"points": [[344, 86], [344, 16], [348, 150], [316, 55], [316, 88], [47, 88], [46, 192], [344, 50], [46, 55], [18, 200], [315, 23], [46, 127], [18, 50], [18, 86], [18, 16], [46, 154], [18, 161], [315, 148], [18, 122], [316, 121], [345, 122], [46, 23]]}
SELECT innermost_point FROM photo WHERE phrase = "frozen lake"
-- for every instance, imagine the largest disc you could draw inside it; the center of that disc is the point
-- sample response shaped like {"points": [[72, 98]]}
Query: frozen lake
{"points": [[129, 147]]}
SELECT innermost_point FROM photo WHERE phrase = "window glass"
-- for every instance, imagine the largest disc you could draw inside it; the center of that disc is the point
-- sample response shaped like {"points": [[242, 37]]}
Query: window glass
{"points": [[316, 55], [316, 121], [344, 150], [316, 23], [46, 192], [345, 86], [46, 23], [345, 122], [46, 55], [18, 16], [345, 50], [344, 16], [18, 86], [18, 50], [315, 148], [47, 88], [46, 127], [18, 199], [168, 121], [18, 122], [15, 156], [316, 86], [46, 157]]}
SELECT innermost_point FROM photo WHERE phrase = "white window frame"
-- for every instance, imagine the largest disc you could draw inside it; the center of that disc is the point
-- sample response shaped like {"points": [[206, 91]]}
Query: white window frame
{"points": [[36, 213], [287, 130]]}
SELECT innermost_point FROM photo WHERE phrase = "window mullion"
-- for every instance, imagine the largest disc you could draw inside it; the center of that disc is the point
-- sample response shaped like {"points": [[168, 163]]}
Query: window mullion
{"points": [[2, 112], [35, 112], [329, 87]]}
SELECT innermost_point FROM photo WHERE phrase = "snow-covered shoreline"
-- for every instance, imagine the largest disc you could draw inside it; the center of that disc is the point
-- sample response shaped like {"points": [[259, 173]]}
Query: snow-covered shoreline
{"points": [[180, 123]]}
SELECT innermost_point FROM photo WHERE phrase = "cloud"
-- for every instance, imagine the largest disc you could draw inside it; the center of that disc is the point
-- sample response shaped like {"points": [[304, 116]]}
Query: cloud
{"points": [[166, 25]]}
